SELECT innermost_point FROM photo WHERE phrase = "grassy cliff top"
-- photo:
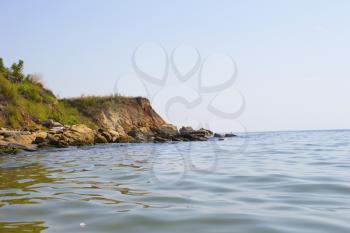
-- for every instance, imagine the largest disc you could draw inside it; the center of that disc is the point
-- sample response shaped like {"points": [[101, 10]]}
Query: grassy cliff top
{"points": [[24, 102]]}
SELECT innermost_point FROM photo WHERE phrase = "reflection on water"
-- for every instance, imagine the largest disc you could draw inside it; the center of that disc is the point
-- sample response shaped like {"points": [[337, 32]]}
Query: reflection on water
{"points": [[15, 227], [281, 182]]}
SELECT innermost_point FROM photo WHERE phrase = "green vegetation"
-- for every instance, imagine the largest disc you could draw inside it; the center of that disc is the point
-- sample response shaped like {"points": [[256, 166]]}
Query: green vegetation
{"points": [[2, 66], [91, 105], [24, 101], [8, 150]]}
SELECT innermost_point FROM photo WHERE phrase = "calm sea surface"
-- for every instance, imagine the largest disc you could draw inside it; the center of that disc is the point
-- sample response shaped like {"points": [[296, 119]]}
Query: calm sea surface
{"points": [[260, 182]]}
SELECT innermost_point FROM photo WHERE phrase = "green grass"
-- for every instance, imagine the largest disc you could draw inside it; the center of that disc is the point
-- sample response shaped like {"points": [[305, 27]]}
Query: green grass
{"points": [[91, 105], [7, 89], [30, 91], [8, 150], [24, 102]]}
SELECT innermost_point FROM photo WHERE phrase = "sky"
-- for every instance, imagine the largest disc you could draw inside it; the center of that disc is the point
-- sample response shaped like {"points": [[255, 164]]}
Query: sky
{"points": [[292, 57]]}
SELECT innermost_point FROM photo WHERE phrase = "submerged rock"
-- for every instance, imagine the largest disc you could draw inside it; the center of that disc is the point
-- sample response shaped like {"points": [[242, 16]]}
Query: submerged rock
{"points": [[229, 135], [161, 139], [5, 150], [125, 139], [217, 135], [25, 147]]}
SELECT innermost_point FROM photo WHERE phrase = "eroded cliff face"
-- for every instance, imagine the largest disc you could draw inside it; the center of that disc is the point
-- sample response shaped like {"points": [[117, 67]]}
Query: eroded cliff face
{"points": [[110, 119], [32, 117], [122, 114]]}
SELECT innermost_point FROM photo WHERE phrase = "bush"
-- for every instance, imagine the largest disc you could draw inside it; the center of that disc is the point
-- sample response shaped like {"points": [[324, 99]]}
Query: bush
{"points": [[14, 116], [25, 100], [29, 91], [8, 89], [3, 69], [17, 70]]}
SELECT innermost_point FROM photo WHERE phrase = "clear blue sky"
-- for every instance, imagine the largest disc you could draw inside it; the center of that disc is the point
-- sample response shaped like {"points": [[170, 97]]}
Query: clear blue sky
{"points": [[293, 56]]}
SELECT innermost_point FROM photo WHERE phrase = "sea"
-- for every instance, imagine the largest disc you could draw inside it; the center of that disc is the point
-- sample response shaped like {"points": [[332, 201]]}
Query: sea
{"points": [[266, 182]]}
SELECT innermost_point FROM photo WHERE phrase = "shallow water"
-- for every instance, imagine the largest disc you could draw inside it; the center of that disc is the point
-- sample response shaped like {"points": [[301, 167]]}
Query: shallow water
{"points": [[259, 182]]}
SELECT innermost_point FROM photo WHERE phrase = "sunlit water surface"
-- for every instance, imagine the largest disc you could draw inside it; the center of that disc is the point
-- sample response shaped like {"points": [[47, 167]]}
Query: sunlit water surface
{"points": [[259, 182]]}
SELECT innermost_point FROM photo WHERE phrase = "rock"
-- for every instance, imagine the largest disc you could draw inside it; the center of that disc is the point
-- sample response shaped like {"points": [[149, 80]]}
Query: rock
{"points": [[167, 129], [114, 134], [80, 128], [40, 134], [198, 138], [228, 135], [207, 132], [100, 139], [54, 130], [189, 134], [78, 135], [22, 146], [138, 136], [51, 123], [21, 139], [160, 139], [221, 139], [104, 133], [56, 140], [193, 137], [177, 139], [39, 140], [217, 135], [133, 133], [13, 133], [186, 130], [75, 135], [125, 139]]}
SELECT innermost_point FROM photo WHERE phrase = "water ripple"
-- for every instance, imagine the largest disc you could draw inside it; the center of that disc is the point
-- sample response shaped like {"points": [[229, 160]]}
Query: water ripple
{"points": [[281, 182]]}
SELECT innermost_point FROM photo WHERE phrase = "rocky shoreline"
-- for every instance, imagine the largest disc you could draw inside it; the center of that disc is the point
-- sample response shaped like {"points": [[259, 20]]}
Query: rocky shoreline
{"points": [[32, 117], [60, 136]]}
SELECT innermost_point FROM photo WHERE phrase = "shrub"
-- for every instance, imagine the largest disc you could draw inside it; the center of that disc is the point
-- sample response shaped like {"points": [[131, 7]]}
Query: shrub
{"points": [[8, 89], [3, 69], [29, 91], [23, 100], [14, 116], [17, 70]]}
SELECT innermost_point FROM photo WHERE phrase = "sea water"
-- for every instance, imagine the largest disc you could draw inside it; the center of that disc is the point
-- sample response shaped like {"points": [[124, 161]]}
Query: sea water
{"points": [[257, 182]]}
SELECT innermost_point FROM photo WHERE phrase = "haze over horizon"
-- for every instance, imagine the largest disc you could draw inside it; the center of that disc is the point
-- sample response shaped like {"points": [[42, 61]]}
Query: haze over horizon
{"points": [[292, 56]]}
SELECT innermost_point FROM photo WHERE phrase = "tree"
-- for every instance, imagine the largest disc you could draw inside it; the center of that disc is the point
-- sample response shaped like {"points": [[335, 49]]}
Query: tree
{"points": [[2, 66], [17, 70]]}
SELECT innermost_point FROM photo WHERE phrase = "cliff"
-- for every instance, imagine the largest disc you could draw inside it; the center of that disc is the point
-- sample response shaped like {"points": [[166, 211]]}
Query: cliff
{"points": [[25, 103], [122, 114], [32, 117]]}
